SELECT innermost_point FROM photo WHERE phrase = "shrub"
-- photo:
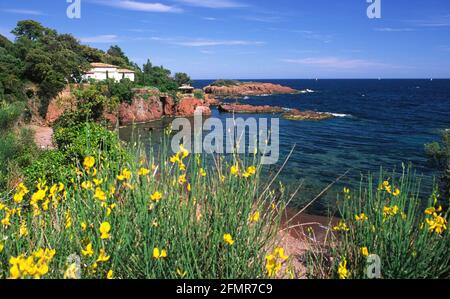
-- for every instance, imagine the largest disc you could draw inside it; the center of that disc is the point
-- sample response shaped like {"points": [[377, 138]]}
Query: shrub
{"points": [[9, 113], [51, 165], [439, 156], [85, 139], [159, 217], [199, 94], [225, 83], [387, 219]]}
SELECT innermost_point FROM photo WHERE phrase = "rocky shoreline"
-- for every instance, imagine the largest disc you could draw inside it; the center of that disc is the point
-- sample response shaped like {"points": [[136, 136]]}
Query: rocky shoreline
{"points": [[242, 89], [150, 105]]}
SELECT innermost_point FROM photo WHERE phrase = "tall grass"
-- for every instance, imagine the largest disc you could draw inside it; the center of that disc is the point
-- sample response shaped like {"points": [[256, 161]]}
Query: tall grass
{"points": [[386, 218], [152, 216]]}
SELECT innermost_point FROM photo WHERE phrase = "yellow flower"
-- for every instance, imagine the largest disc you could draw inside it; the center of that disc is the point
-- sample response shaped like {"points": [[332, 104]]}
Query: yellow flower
{"points": [[396, 192], [100, 194], [342, 226], [361, 217], [159, 254], [110, 274], [346, 190], [182, 179], [202, 172], [88, 251], [156, 197], [189, 188], [1, 246], [87, 185], [68, 220], [105, 228], [125, 175], [97, 182], [21, 191], [143, 172], [83, 226], [280, 252], [181, 274], [432, 210], [23, 230], [364, 251], [255, 217], [249, 172], [184, 152], [342, 270], [272, 265], [390, 211], [234, 170], [102, 257], [89, 162], [437, 224], [71, 272], [227, 238], [175, 159]]}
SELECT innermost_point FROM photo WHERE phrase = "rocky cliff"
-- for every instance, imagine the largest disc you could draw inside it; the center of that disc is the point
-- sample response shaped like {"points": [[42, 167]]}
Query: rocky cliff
{"points": [[146, 106]]}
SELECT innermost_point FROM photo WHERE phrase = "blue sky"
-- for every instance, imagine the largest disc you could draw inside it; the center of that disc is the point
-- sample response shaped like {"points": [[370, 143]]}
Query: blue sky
{"points": [[259, 38]]}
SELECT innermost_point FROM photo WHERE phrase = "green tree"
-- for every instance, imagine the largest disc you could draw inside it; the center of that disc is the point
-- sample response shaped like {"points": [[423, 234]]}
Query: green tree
{"points": [[182, 79], [157, 76]]}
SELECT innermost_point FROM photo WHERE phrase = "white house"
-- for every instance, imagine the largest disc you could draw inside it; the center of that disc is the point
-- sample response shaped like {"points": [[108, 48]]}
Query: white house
{"points": [[103, 71]]}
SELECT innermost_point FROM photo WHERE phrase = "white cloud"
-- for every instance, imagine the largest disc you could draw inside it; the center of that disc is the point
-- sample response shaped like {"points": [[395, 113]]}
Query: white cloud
{"points": [[325, 38], [214, 43], [389, 29], [140, 6], [213, 3], [210, 19], [337, 63], [100, 39], [23, 11]]}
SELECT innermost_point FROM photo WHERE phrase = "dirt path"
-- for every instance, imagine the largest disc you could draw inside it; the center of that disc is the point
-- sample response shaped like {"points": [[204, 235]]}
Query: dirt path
{"points": [[298, 233], [43, 136]]}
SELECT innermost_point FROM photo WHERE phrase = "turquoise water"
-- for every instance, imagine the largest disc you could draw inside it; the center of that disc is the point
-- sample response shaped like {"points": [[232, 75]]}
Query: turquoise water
{"points": [[380, 123]]}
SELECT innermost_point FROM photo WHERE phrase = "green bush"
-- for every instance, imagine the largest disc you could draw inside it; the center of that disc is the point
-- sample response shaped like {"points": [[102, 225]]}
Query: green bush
{"points": [[199, 94], [226, 83], [86, 139], [9, 113], [18, 150], [51, 166], [391, 220], [439, 156]]}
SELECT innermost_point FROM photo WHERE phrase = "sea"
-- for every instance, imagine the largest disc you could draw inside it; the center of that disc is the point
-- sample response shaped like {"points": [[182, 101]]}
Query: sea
{"points": [[378, 124]]}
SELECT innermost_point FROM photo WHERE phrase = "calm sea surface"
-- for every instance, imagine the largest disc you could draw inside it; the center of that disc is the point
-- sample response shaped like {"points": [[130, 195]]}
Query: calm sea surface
{"points": [[380, 123]]}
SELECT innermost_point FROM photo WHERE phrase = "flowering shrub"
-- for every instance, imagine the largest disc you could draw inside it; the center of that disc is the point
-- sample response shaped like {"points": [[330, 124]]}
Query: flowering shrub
{"points": [[389, 220], [133, 216]]}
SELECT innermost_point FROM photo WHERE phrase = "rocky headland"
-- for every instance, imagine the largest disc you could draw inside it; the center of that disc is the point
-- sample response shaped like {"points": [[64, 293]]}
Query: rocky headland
{"points": [[241, 89]]}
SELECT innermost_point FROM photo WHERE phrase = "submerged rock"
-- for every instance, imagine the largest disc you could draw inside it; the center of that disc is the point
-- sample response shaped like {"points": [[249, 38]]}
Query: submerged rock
{"points": [[241, 108], [307, 115]]}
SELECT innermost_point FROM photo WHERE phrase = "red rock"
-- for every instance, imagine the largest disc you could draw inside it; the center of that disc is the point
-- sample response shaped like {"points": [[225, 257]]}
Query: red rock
{"points": [[141, 110], [249, 89], [211, 101], [240, 108], [63, 102], [187, 106]]}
